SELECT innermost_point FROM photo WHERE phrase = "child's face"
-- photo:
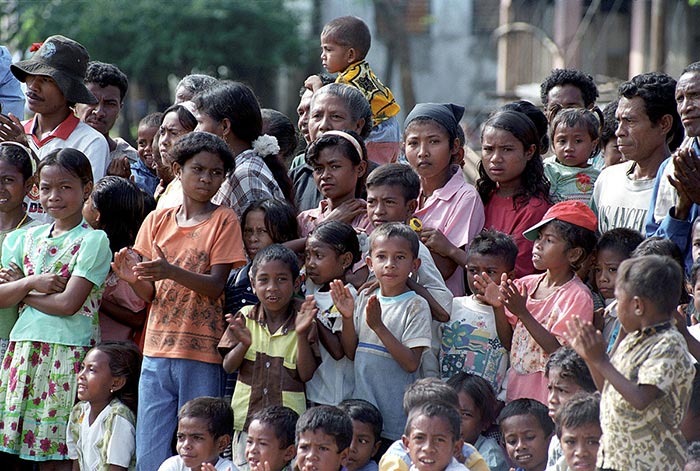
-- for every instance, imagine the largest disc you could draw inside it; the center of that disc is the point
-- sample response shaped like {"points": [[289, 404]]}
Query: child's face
{"points": [[472, 422], [392, 261], [91, 214], [428, 149], [493, 265], [255, 235], [274, 286], [504, 157], [95, 378], [170, 131], [201, 176], [386, 203], [611, 153], [336, 175], [263, 446], [607, 263], [43, 94], [626, 310], [13, 187], [696, 241], [580, 446], [573, 146], [335, 58], [550, 250], [560, 390], [196, 444], [144, 144], [62, 194], [526, 443], [318, 451], [323, 264], [430, 443], [363, 445]]}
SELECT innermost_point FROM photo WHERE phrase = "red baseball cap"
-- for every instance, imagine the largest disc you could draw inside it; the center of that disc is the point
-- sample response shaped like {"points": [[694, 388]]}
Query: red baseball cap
{"points": [[573, 212]]}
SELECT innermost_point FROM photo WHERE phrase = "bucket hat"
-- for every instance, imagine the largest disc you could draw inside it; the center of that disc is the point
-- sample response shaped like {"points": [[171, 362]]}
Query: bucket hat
{"points": [[573, 212], [65, 61]]}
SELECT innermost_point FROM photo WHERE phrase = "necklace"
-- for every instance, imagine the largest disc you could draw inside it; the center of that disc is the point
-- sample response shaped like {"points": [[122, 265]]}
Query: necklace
{"points": [[21, 222]]}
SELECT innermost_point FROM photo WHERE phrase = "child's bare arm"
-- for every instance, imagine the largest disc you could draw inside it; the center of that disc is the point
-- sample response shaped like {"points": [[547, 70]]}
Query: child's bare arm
{"points": [[65, 303], [238, 329], [303, 325], [123, 266], [447, 256], [437, 312], [407, 358], [345, 303], [515, 301]]}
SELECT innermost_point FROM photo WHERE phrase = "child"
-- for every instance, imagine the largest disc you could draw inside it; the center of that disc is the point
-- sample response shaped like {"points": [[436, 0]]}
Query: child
{"points": [[62, 267], [432, 437], [187, 252], [693, 463], [270, 443], [269, 343], [470, 338], [511, 181], [177, 121], [16, 172], [578, 430], [539, 305], [101, 433], [608, 139], [366, 434], [477, 404], [575, 134], [345, 42], [323, 436], [331, 250], [526, 429], [646, 384], [143, 169], [386, 330], [203, 433], [116, 207], [450, 209]]}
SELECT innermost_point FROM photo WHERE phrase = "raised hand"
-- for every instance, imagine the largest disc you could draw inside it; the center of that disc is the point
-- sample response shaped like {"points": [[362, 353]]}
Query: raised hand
{"points": [[306, 315], [342, 298], [373, 313], [513, 298], [586, 340], [11, 129], [237, 327], [154, 270], [120, 167], [489, 291], [124, 263]]}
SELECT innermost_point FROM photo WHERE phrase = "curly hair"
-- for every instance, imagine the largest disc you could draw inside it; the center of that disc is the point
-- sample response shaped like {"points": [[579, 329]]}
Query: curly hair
{"points": [[104, 74], [559, 77]]}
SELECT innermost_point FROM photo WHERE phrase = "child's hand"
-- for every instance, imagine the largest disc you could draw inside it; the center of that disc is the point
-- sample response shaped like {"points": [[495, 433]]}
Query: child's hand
{"points": [[585, 340], [436, 241], [154, 270], [305, 316], [373, 313], [490, 292], [515, 300], [343, 300], [123, 265], [237, 327], [262, 466], [348, 211], [210, 467], [48, 283], [313, 83], [11, 273]]}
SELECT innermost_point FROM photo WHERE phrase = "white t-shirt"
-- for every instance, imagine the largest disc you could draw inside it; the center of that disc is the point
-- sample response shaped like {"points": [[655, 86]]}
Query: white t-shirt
{"points": [[175, 463]]}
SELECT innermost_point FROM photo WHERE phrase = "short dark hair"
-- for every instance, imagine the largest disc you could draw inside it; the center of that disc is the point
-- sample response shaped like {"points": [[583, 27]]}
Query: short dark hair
{"points": [[349, 31], [572, 367], [441, 410], [578, 117], [104, 75], [559, 77], [151, 120], [124, 361], [195, 142], [528, 407], [235, 101], [575, 236], [480, 391], [607, 133], [184, 117], [216, 411], [275, 252], [398, 175], [121, 206], [277, 124], [347, 149], [329, 420], [582, 409], [283, 421], [280, 219], [428, 390], [496, 244], [71, 160], [666, 247], [620, 240], [642, 277], [365, 412], [338, 235], [396, 229]]}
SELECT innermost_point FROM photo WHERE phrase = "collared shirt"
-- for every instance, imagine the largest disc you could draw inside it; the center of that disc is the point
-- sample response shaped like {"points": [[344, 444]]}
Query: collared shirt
{"points": [[380, 98]]}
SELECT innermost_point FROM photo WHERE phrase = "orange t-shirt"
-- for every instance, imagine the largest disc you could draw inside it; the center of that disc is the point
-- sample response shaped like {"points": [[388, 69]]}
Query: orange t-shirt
{"points": [[182, 323]]}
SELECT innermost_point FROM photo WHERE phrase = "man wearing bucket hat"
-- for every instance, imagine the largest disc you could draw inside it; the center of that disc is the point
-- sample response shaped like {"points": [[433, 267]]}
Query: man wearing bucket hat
{"points": [[54, 77]]}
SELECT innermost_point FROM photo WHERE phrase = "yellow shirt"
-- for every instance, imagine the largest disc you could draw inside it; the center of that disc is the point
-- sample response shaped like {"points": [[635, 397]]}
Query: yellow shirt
{"points": [[380, 98]]}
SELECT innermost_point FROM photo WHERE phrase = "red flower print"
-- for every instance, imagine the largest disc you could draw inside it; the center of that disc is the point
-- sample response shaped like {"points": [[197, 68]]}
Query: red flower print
{"points": [[76, 367], [63, 271], [53, 250], [13, 379], [45, 349], [66, 387], [6, 362], [57, 364], [36, 401], [29, 438], [76, 355], [63, 449], [52, 413], [5, 440], [54, 428], [45, 444], [13, 426], [75, 249], [12, 408], [43, 396], [34, 359], [52, 389]]}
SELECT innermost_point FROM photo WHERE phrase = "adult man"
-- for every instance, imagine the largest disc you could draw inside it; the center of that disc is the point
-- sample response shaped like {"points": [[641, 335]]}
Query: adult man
{"points": [[567, 88], [648, 129], [109, 85]]}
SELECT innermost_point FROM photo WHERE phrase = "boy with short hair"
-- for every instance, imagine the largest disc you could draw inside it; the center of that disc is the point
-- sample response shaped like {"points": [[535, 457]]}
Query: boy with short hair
{"points": [[323, 436], [527, 429], [432, 437], [203, 432], [578, 429], [143, 169], [270, 442], [366, 434]]}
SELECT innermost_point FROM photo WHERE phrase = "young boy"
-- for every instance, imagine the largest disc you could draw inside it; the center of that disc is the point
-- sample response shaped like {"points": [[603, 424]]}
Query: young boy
{"points": [[345, 42], [143, 169], [469, 340], [578, 429], [323, 436], [527, 429], [203, 432], [646, 384], [432, 437], [270, 442], [366, 434], [386, 330]]}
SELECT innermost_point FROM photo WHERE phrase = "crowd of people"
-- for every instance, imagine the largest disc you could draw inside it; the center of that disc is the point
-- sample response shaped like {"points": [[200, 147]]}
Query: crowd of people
{"points": [[385, 299]]}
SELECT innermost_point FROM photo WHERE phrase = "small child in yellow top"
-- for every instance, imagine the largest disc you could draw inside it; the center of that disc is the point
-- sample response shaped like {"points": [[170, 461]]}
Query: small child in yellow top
{"points": [[345, 42]]}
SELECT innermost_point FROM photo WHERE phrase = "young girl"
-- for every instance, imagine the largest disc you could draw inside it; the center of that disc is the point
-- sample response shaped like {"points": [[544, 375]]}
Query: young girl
{"points": [[575, 133], [331, 250], [187, 253], [512, 184], [449, 208], [101, 433], [116, 206], [276, 333], [16, 171], [62, 267], [539, 305]]}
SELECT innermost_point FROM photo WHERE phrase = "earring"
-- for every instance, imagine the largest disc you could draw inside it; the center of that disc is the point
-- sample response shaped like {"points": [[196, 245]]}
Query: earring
{"points": [[111, 390]]}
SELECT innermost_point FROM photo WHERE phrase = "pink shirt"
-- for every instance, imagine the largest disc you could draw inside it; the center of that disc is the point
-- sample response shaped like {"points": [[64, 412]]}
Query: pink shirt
{"points": [[311, 218], [456, 211], [527, 358], [501, 216]]}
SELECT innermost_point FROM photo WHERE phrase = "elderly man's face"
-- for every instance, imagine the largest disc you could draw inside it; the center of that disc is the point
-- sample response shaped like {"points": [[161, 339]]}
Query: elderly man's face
{"points": [[688, 102]]}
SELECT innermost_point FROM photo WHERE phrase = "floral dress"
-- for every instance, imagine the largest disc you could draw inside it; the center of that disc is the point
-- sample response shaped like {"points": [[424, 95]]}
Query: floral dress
{"points": [[38, 379]]}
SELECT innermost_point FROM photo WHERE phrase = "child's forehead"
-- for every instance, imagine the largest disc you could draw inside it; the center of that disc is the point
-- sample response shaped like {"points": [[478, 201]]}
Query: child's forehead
{"points": [[317, 436], [487, 259], [385, 191], [520, 423], [585, 429], [196, 425], [258, 428], [435, 424], [392, 243], [424, 125], [273, 266]]}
